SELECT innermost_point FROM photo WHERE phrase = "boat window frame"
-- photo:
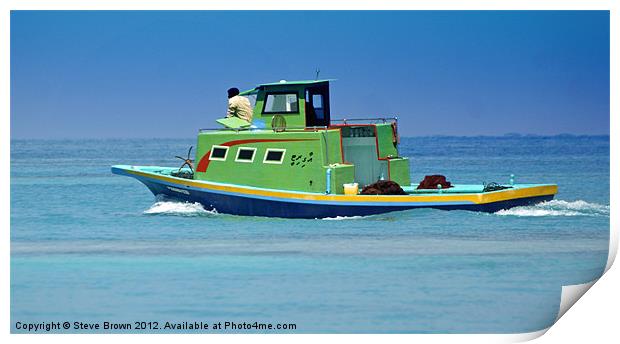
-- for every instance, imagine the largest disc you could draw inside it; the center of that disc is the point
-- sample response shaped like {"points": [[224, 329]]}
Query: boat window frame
{"points": [[253, 149], [265, 161], [268, 93], [226, 148]]}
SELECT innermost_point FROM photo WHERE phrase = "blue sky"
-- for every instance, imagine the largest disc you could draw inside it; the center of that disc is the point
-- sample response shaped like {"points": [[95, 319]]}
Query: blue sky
{"points": [[92, 74]]}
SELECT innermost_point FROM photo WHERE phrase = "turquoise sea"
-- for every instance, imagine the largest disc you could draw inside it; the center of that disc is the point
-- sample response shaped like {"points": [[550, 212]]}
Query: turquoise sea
{"points": [[88, 246]]}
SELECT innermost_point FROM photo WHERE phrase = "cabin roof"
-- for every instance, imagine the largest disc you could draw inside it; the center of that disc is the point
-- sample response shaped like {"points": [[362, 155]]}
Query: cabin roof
{"points": [[285, 82], [298, 82]]}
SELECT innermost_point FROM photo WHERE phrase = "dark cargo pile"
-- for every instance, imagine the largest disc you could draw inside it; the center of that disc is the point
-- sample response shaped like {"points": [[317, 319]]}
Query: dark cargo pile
{"points": [[383, 187], [431, 182]]}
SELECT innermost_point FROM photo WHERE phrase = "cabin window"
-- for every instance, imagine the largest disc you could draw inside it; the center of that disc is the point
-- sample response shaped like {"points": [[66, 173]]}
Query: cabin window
{"points": [[317, 103], [245, 154], [218, 153], [281, 103], [317, 106], [274, 156]]}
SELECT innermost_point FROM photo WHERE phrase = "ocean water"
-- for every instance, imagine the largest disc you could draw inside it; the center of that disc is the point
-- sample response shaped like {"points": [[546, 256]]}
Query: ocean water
{"points": [[88, 246]]}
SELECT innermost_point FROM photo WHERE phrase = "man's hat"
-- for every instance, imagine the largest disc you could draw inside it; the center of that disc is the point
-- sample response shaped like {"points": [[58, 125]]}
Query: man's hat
{"points": [[233, 92]]}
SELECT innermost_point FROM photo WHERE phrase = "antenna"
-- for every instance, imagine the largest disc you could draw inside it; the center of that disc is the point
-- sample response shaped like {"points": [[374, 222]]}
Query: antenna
{"points": [[317, 74]]}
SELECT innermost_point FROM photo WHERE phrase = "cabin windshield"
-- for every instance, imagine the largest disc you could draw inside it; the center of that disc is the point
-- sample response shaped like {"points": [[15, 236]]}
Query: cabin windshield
{"points": [[252, 99], [281, 103]]}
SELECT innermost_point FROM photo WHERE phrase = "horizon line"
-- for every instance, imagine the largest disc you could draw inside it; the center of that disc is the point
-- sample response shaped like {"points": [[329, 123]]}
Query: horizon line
{"points": [[506, 135]]}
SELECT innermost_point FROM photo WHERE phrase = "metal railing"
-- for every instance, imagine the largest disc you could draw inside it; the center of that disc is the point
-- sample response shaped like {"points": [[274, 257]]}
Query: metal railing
{"points": [[304, 128], [376, 119], [299, 128]]}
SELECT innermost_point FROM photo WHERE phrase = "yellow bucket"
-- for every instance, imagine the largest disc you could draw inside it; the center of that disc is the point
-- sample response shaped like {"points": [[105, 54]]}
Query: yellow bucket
{"points": [[350, 189]]}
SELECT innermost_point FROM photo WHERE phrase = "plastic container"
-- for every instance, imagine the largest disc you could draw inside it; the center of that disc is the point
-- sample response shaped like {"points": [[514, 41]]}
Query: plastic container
{"points": [[351, 188]]}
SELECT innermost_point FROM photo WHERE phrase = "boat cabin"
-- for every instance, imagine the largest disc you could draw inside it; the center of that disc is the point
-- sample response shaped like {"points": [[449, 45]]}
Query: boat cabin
{"points": [[294, 144], [302, 104]]}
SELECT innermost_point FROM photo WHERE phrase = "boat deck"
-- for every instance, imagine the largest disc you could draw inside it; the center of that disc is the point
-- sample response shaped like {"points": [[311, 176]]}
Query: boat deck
{"points": [[457, 189]]}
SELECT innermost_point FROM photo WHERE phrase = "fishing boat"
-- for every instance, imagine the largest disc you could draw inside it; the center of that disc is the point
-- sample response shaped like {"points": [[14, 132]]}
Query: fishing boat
{"points": [[293, 161]]}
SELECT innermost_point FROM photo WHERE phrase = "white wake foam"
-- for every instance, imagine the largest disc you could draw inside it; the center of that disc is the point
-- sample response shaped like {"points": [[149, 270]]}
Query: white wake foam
{"points": [[340, 218], [178, 208], [558, 208]]}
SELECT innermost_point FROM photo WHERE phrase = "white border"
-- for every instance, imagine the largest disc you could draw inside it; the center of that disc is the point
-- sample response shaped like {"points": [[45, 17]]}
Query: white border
{"points": [[593, 320], [253, 149], [218, 159], [265, 161]]}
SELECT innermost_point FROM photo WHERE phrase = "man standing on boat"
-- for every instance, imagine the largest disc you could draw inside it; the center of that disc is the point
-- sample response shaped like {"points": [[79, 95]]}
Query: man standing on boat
{"points": [[238, 106]]}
